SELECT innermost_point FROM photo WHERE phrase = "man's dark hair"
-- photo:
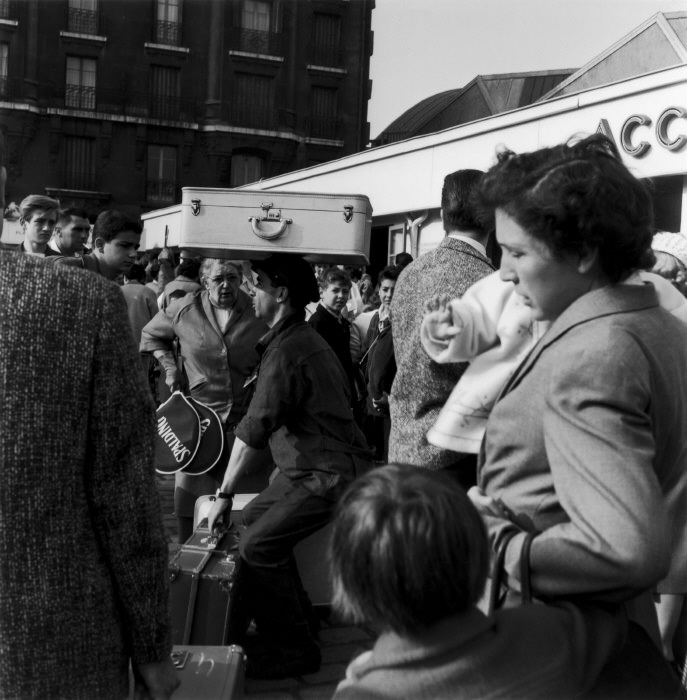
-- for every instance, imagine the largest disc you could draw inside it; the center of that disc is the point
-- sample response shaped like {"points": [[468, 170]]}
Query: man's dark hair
{"points": [[189, 267], [64, 215], [403, 259], [136, 272], [459, 206], [112, 222], [390, 272]]}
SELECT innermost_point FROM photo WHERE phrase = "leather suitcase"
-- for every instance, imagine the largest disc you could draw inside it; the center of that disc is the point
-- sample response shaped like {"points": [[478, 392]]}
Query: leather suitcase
{"points": [[201, 574], [310, 553], [251, 224], [209, 672]]}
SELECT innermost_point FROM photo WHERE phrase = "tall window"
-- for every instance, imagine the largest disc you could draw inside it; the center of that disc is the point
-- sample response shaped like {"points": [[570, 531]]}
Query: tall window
{"points": [[326, 46], [5, 9], [80, 83], [165, 92], [4, 58], [253, 103], [82, 16], [168, 22], [245, 168], [79, 163], [255, 26], [161, 181], [324, 114]]}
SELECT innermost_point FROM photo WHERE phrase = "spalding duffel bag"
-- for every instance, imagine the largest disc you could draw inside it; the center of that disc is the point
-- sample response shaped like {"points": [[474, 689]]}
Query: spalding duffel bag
{"points": [[178, 434]]}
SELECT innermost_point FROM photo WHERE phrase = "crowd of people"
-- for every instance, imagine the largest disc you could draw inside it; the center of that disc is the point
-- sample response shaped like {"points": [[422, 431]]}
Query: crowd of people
{"points": [[498, 440]]}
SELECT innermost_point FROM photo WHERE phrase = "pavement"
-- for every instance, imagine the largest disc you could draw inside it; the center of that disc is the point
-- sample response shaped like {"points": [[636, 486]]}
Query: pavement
{"points": [[339, 643]]}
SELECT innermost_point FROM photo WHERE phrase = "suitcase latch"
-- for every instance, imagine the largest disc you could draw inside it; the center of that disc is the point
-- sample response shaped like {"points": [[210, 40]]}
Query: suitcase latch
{"points": [[195, 207], [348, 213]]}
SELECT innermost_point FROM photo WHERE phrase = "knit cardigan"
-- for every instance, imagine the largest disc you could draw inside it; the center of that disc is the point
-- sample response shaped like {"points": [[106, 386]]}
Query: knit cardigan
{"points": [[83, 558]]}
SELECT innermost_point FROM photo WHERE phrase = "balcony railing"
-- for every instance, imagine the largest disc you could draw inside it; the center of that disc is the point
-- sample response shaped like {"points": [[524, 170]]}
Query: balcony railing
{"points": [[256, 41], [168, 33], [161, 191], [4, 88], [79, 97], [82, 21], [253, 116]]}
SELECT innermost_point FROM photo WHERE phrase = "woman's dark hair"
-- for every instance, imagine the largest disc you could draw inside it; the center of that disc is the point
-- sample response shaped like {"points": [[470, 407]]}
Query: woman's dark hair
{"points": [[576, 197], [407, 549]]}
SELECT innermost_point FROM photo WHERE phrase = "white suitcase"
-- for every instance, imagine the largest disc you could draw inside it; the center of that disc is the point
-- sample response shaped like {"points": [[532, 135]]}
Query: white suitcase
{"points": [[252, 224], [161, 227]]}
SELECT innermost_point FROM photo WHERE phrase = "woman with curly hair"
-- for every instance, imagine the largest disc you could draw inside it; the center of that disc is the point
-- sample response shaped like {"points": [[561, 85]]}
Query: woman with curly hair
{"points": [[586, 444]]}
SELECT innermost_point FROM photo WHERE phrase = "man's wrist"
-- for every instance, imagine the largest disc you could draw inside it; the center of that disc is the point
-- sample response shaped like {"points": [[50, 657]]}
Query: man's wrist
{"points": [[223, 496]]}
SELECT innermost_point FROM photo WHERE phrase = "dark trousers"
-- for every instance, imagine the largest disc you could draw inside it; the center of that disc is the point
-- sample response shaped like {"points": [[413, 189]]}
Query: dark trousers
{"points": [[267, 586]]}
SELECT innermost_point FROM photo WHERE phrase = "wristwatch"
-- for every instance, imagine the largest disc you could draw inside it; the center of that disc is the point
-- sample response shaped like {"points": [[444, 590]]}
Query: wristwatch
{"points": [[220, 495]]}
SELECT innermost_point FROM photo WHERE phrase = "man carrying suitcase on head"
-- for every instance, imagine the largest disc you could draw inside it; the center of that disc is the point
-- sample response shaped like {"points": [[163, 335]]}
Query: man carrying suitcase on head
{"points": [[301, 408]]}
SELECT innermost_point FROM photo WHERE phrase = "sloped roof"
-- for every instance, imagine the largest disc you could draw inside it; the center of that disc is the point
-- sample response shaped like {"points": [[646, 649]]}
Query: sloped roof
{"points": [[659, 42], [481, 97]]}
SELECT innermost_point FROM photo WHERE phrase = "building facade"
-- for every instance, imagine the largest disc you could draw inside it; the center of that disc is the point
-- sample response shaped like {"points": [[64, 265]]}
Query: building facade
{"points": [[120, 103]]}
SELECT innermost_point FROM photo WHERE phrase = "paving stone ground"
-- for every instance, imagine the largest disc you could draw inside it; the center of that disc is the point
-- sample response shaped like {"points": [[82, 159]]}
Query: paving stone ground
{"points": [[339, 643]]}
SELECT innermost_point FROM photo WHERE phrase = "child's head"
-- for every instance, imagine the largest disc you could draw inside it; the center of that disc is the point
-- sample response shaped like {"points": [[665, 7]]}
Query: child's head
{"points": [[408, 548], [387, 284], [117, 238], [335, 288]]}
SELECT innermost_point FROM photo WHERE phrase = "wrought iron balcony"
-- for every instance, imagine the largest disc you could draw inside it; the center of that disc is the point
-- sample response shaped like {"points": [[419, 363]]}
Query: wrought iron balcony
{"points": [[253, 116], [79, 97], [256, 41], [161, 191], [82, 21], [168, 33]]}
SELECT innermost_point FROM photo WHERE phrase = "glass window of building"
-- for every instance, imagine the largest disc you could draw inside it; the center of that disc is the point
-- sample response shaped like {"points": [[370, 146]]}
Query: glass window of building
{"points": [[245, 168], [326, 44], [161, 180], [253, 103], [168, 22], [4, 61], [256, 24], [324, 112], [165, 92], [80, 83], [79, 163], [82, 16]]}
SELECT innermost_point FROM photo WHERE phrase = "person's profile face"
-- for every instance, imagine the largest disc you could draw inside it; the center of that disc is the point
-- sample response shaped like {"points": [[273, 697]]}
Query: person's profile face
{"points": [[74, 235], [39, 226], [120, 252], [548, 284]]}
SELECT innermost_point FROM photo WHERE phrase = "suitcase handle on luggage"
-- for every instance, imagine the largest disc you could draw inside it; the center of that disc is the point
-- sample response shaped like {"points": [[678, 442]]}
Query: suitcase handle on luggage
{"points": [[269, 235]]}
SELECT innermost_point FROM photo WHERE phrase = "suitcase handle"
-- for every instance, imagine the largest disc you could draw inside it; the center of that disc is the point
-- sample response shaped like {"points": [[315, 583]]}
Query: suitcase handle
{"points": [[269, 235]]}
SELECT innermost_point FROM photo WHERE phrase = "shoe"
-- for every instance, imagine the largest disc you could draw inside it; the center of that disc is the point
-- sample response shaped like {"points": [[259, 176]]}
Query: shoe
{"points": [[284, 663]]}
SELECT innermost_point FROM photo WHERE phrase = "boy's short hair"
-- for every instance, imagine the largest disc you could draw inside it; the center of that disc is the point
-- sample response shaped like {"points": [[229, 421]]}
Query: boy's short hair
{"points": [[136, 272], [408, 548], [34, 202], [335, 275], [112, 222], [390, 272], [64, 216]]}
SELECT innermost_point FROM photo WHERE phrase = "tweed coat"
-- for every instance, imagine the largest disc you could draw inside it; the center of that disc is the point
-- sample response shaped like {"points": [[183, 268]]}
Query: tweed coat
{"points": [[587, 444], [421, 386], [83, 557]]}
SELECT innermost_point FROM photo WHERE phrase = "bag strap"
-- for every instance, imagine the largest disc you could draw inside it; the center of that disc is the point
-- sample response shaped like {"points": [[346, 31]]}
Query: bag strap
{"points": [[183, 377], [498, 570]]}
